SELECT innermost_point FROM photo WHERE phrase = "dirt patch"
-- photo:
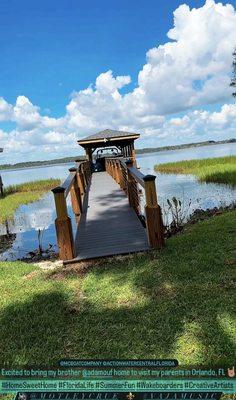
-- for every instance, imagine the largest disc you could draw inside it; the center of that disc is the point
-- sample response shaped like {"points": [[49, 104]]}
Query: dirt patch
{"points": [[61, 272], [48, 265]]}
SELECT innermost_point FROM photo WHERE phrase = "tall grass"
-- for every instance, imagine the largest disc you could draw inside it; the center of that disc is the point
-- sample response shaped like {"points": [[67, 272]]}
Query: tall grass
{"points": [[45, 185], [216, 170], [25, 193]]}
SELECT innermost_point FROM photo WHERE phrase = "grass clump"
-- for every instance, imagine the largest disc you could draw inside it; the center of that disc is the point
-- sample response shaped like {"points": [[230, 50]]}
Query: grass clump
{"points": [[177, 303], [216, 170], [16, 195]]}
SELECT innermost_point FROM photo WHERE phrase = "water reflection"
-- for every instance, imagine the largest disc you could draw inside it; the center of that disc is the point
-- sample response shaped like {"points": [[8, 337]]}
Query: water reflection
{"points": [[29, 219], [32, 224]]}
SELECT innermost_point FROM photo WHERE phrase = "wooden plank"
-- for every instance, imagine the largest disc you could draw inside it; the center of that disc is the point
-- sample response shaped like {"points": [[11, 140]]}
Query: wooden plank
{"points": [[108, 226]]}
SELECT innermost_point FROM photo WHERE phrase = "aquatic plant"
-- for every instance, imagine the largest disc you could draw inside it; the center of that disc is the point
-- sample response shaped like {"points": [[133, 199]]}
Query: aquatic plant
{"points": [[25, 193], [216, 170]]}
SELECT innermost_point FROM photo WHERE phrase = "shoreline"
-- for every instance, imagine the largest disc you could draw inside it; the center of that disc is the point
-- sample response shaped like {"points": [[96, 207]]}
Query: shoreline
{"points": [[67, 160]]}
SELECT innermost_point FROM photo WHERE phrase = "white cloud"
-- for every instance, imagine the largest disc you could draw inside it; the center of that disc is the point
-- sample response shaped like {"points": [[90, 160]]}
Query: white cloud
{"points": [[26, 115], [5, 110], [188, 72], [226, 117], [193, 69]]}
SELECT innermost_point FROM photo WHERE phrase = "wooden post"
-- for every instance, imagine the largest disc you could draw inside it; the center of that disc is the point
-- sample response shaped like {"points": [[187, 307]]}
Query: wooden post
{"points": [[81, 179], [153, 214], [63, 225], [75, 196], [1, 187], [133, 157], [88, 154]]}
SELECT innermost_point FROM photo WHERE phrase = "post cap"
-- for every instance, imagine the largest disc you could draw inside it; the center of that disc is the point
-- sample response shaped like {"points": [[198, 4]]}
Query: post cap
{"points": [[58, 189], [73, 169], [149, 178]]}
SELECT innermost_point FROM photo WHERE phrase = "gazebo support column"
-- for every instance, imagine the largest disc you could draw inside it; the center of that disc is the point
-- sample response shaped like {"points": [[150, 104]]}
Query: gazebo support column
{"points": [[89, 155]]}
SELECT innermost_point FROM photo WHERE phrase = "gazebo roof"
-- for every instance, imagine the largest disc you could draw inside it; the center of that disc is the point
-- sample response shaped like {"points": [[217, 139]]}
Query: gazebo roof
{"points": [[108, 135]]}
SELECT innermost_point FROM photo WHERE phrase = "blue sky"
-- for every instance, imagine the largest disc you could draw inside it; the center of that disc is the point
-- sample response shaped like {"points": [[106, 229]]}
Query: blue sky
{"points": [[50, 50]]}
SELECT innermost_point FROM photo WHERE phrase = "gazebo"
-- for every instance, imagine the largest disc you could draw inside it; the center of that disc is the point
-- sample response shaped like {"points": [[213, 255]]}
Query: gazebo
{"points": [[112, 139]]}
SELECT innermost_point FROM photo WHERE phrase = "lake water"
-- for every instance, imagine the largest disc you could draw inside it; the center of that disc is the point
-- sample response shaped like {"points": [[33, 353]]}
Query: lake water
{"points": [[38, 217]]}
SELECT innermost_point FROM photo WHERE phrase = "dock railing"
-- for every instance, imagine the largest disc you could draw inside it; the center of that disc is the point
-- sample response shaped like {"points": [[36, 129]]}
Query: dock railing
{"points": [[76, 184], [126, 174]]}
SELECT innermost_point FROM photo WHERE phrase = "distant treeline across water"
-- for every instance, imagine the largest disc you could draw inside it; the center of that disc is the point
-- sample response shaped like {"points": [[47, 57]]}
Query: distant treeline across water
{"points": [[65, 160]]}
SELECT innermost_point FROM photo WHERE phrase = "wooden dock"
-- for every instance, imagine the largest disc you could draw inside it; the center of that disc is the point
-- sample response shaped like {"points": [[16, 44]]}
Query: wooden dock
{"points": [[106, 207], [109, 225]]}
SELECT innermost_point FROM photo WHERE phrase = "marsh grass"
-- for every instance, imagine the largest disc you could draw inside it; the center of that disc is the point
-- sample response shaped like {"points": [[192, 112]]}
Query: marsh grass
{"points": [[177, 303], [25, 193], [216, 170]]}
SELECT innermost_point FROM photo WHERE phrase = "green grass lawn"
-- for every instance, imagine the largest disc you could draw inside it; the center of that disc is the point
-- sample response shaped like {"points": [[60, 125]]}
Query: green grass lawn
{"points": [[216, 170], [179, 303], [24, 193]]}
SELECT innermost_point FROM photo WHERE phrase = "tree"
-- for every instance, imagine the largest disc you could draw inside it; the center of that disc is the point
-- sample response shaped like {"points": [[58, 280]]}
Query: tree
{"points": [[233, 80]]}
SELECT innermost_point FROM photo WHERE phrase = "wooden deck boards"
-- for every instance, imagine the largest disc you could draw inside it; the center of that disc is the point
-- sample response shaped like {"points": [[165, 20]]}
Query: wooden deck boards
{"points": [[110, 226]]}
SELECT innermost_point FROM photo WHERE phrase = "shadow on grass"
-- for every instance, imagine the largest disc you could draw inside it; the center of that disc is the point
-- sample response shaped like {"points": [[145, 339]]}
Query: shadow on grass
{"points": [[46, 328], [172, 321], [179, 304], [34, 331]]}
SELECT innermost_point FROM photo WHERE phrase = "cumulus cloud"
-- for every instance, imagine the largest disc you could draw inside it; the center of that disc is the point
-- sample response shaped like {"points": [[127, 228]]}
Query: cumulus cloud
{"points": [[191, 70], [5, 110], [194, 68], [26, 115]]}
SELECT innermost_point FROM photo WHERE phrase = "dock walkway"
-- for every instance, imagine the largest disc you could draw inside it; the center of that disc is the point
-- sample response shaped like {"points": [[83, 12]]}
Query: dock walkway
{"points": [[109, 226]]}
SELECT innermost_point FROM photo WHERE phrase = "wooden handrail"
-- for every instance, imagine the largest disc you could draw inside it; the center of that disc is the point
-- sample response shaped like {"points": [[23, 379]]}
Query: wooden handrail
{"points": [[137, 175], [129, 177], [66, 185], [77, 183]]}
